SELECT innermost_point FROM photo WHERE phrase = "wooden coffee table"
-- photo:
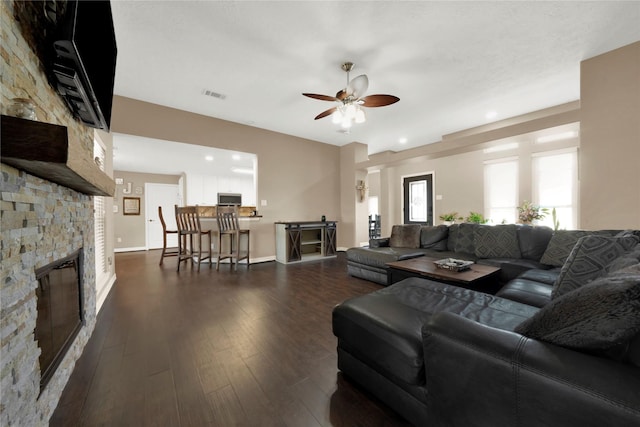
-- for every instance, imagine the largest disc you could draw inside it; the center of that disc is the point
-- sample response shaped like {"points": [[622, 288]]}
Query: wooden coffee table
{"points": [[477, 277]]}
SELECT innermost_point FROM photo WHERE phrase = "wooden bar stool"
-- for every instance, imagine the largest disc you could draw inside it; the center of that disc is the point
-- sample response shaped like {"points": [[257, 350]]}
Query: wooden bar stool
{"points": [[227, 218], [189, 228], [166, 252]]}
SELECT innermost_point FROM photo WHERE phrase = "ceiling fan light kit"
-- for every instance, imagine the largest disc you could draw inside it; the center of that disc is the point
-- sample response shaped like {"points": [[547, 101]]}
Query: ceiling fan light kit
{"points": [[350, 100]]}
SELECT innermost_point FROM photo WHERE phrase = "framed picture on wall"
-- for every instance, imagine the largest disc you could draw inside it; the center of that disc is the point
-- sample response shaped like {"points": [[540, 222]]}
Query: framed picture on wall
{"points": [[131, 206]]}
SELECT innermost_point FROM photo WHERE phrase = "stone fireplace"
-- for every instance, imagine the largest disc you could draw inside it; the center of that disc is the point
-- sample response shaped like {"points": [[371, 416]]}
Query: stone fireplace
{"points": [[42, 221]]}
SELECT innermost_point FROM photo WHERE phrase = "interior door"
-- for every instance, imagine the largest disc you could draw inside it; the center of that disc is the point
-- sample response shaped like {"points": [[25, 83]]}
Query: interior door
{"points": [[167, 196]]}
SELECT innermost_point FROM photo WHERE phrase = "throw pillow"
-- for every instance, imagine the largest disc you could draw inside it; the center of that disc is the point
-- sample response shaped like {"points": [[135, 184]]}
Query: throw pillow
{"points": [[560, 246], [596, 316], [434, 237], [631, 258], [588, 260], [405, 236], [496, 241], [464, 242]]}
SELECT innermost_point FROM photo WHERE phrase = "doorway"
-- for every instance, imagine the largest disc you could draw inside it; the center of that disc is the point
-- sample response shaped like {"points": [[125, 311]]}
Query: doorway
{"points": [[167, 196], [418, 199]]}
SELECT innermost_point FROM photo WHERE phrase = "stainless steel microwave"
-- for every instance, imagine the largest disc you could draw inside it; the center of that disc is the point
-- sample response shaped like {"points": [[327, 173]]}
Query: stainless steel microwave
{"points": [[230, 199]]}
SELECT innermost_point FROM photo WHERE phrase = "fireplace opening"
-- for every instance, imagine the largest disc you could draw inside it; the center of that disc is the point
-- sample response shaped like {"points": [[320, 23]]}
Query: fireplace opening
{"points": [[60, 318]]}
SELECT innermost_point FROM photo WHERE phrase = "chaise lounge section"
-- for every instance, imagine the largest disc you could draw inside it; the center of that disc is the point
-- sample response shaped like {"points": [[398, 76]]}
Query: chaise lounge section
{"points": [[447, 356]]}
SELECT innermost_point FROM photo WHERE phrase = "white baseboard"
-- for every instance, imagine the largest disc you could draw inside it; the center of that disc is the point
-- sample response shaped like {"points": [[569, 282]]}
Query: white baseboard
{"points": [[135, 249]]}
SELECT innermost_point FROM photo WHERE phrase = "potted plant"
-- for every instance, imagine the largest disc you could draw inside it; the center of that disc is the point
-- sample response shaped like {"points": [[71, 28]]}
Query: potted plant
{"points": [[476, 218], [528, 212], [450, 218]]}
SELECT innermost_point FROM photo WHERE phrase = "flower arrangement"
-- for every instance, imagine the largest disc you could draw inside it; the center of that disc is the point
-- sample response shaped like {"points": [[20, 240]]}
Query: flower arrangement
{"points": [[527, 212]]}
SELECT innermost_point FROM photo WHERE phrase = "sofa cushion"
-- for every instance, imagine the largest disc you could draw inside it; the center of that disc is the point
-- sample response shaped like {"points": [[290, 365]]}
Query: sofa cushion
{"points": [[379, 242], [453, 237], [547, 277], [598, 315], [465, 239], [560, 246], [533, 240], [405, 236], [530, 292], [384, 328], [379, 257], [496, 241], [588, 260], [434, 237]]}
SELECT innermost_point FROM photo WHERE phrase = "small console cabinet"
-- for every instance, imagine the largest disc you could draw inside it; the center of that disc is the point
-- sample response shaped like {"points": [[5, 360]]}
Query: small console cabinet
{"points": [[305, 240]]}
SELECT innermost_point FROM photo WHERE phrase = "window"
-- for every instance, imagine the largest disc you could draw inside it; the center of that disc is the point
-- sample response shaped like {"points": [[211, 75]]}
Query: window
{"points": [[99, 154], [418, 199], [373, 205], [501, 190], [555, 182]]}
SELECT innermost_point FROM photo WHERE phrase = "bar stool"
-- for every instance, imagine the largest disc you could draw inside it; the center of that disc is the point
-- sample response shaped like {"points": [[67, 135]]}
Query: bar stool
{"points": [[189, 227]]}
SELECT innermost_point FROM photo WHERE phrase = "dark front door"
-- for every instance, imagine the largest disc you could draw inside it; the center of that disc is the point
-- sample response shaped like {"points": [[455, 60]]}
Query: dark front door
{"points": [[418, 199]]}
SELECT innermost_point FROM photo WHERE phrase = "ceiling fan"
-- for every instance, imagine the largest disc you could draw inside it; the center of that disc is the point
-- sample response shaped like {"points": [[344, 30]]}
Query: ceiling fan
{"points": [[350, 100]]}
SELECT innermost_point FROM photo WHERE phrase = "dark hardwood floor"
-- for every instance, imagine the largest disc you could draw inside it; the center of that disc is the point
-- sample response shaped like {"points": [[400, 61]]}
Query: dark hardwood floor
{"points": [[246, 348]]}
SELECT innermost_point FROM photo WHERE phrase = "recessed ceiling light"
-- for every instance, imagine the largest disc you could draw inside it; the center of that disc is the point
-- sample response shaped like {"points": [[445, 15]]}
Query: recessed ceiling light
{"points": [[491, 115], [208, 158], [403, 140], [236, 157]]}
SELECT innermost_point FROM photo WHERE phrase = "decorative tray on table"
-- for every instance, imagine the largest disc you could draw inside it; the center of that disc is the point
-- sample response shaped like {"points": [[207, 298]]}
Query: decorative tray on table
{"points": [[453, 264]]}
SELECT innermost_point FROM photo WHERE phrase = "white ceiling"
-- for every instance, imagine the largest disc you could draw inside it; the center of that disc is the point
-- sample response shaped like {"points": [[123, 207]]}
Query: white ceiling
{"points": [[449, 62]]}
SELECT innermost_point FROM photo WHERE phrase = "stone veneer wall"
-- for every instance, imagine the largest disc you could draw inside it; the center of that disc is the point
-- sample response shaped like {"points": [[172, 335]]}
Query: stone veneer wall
{"points": [[40, 222]]}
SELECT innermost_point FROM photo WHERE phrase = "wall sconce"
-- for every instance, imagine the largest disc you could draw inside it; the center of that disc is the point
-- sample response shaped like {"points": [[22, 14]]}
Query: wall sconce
{"points": [[362, 190]]}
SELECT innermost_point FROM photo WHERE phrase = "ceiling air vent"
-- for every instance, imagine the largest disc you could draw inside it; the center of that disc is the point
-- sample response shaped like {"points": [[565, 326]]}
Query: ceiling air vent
{"points": [[213, 94]]}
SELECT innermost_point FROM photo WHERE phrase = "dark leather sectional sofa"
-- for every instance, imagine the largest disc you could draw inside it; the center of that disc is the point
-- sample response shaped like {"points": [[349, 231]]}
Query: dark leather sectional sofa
{"points": [[515, 248], [558, 345]]}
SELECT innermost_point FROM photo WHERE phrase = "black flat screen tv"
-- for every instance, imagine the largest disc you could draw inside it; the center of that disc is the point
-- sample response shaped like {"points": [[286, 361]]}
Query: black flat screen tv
{"points": [[84, 60]]}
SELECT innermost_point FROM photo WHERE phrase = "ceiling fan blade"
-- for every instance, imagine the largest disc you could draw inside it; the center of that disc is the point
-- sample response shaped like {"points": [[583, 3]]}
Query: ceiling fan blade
{"points": [[379, 100], [342, 94], [325, 113], [358, 86], [321, 97]]}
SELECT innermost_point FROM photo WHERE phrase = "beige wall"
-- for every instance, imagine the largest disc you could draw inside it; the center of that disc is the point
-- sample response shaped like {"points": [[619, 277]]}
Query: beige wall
{"points": [[298, 178], [302, 179], [130, 230], [610, 148], [458, 162]]}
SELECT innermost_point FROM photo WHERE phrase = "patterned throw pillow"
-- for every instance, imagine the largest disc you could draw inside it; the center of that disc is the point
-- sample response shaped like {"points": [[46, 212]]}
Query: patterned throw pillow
{"points": [[560, 246], [496, 241], [465, 239], [598, 315], [405, 236], [589, 259]]}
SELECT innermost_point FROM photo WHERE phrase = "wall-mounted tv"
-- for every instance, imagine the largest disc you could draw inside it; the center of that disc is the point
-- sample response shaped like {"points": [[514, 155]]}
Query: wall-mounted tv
{"points": [[84, 60]]}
